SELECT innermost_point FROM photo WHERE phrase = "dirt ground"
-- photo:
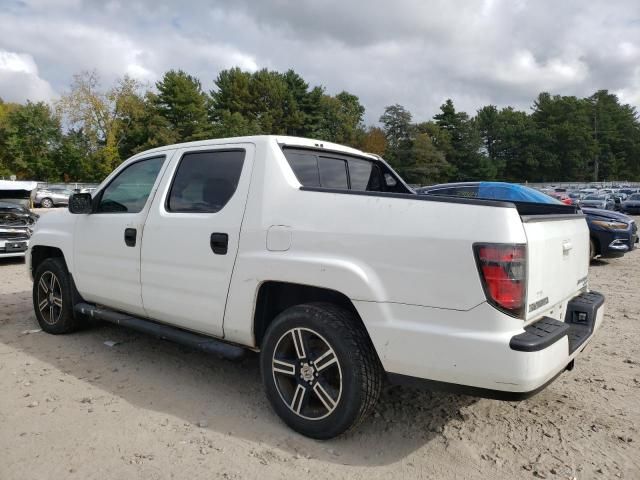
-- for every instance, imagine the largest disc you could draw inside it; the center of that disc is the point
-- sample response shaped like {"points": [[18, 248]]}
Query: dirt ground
{"points": [[73, 407]]}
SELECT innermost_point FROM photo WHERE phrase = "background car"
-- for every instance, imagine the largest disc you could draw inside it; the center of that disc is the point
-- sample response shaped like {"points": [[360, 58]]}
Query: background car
{"points": [[52, 197], [632, 204], [16, 223], [603, 201], [576, 197], [618, 198], [563, 197], [611, 234]]}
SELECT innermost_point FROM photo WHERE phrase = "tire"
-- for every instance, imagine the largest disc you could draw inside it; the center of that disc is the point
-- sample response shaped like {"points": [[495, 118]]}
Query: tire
{"points": [[320, 402], [53, 298], [46, 203]]}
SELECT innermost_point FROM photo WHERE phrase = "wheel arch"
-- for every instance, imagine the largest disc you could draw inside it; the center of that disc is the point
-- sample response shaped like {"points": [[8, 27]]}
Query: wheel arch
{"points": [[39, 253], [274, 297]]}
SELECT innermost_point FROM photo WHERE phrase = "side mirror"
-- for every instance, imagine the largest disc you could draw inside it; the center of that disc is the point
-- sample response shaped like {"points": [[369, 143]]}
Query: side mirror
{"points": [[80, 203]]}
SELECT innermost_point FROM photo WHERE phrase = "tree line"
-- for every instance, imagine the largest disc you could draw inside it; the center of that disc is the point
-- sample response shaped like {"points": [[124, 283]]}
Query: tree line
{"points": [[86, 133]]}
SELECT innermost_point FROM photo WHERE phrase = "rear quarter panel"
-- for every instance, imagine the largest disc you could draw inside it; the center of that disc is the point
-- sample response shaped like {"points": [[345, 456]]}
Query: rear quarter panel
{"points": [[370, 248]]}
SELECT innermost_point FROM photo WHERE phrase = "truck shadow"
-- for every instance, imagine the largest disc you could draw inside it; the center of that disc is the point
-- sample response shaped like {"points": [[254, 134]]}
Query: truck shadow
{"points": [[186, 387]]}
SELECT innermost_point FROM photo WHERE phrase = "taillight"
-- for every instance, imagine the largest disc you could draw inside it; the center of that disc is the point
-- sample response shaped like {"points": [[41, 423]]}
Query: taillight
{"points": [[503, 271]]}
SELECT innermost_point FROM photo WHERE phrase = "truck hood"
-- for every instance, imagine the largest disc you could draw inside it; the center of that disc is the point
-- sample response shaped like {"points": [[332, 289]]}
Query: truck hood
{"points": [[12, 216]]}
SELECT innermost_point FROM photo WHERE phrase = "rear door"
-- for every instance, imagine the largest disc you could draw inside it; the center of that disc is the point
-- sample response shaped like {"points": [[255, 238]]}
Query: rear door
{"points": [[191, 236], [558, 260]]}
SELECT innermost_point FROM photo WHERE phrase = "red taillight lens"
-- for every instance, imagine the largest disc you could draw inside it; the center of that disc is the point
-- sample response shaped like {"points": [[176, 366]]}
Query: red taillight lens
{"points": [[503, 271]]}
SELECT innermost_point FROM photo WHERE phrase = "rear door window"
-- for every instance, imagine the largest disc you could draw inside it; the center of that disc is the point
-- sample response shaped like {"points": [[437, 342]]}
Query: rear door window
{"points": [[205, 181]]}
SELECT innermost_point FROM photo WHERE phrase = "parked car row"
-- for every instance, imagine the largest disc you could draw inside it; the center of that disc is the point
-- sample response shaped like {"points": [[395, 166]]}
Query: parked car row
{"points": [[618, 199], [611, 233]]}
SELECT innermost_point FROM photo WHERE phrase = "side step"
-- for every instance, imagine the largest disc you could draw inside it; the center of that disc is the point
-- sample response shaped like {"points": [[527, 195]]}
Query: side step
{"points": [[165, 332]]}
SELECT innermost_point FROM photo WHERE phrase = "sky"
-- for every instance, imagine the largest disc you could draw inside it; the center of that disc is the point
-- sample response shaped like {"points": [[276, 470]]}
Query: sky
{"points": [[416, 53]]}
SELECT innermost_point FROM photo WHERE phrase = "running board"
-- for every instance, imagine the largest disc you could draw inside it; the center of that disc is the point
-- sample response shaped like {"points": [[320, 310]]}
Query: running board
{"points": [[165, 332]]}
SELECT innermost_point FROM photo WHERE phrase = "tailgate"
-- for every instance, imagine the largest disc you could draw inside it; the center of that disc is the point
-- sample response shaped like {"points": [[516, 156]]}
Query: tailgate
{"points": [[557, 259]]}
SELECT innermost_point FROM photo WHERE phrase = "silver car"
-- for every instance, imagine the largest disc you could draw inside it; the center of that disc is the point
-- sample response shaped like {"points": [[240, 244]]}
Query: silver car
{"points": [[52, 197]]}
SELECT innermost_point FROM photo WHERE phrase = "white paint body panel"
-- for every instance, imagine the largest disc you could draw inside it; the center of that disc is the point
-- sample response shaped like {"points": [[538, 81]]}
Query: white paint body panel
{"points": [[407, 265], [183, 282]]}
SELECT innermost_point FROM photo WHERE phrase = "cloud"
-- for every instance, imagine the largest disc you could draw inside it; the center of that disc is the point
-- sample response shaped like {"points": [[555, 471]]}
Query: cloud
{"points": [[411, 52], [20, 81]]}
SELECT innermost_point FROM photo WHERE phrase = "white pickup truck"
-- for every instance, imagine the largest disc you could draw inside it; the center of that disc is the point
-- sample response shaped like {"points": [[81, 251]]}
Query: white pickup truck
{"points": [[320, 258]]}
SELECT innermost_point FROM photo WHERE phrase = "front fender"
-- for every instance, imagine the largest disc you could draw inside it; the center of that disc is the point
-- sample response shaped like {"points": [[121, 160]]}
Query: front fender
{"points": [[54, 229]]}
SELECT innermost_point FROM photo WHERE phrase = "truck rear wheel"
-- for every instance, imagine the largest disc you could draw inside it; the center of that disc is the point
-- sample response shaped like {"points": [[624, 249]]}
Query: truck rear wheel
{"points": [[320, 370], [52, 297]]}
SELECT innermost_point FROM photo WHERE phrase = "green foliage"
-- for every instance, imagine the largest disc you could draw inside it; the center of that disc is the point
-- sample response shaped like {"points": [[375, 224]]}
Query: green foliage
{"points": [[183, 104], [31, 138], [91, 130]]}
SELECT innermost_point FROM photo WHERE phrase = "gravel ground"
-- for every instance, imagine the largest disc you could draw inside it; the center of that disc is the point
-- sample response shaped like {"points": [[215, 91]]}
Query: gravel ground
{"points": [[73, 407]]}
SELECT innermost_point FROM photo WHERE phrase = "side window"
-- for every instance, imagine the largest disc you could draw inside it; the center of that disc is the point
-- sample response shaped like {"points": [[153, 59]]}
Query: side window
{"points": [[129, 190], [205, 181], [333, 173], [305, 166], [364, 176]]}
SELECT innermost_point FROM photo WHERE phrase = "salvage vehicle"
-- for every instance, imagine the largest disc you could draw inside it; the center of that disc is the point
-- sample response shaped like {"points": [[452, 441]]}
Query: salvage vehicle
{"points": [[632, 204], [16, 225], [320, 257]]}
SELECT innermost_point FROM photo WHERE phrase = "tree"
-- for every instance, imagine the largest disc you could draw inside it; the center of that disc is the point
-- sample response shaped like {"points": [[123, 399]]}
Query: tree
{"points": [[33, 135], [396, 123], [341, 119], [566, 136], [617, 135], [183, 104], [373, 140], [103, 116], [466, 156], [428, 164]]}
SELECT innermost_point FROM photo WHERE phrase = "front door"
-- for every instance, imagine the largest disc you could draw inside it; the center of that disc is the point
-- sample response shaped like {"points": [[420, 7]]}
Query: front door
{"points": [[107, 241], [191, 236]]}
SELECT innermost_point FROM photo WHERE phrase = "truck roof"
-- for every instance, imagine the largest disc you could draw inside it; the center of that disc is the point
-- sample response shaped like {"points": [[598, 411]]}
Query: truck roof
{"points": [[257, 139]]}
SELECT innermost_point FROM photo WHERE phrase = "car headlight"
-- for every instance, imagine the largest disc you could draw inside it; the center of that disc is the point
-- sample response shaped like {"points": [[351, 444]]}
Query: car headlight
{"points": [[610, 225]]}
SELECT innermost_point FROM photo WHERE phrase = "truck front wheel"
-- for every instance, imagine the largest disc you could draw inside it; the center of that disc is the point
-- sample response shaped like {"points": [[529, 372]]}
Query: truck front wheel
{"points": [[320, 371], [52, 298]]}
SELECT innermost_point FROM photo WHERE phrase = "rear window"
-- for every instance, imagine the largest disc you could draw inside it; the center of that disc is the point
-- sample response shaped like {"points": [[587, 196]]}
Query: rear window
{"points": [[333, 173], [317, 169]]}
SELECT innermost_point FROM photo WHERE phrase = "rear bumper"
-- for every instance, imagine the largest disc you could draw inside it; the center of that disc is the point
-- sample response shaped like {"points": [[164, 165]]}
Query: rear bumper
{"points": [[450, 355]]}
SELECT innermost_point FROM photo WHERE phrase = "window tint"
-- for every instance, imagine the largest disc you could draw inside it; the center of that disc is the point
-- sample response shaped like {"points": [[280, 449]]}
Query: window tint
{"points": [[315, 169], [205, 181], [128, 192], [364, 175], [305, 166], [333, 173]]}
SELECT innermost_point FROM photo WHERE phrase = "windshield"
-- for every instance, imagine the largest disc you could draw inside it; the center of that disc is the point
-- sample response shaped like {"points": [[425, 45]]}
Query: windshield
{"points": [[594, 197], [635, 196]]}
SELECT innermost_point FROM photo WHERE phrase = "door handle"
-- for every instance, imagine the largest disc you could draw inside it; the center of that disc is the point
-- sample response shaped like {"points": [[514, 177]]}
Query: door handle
{"points": [[219, 243], [130, 236]]}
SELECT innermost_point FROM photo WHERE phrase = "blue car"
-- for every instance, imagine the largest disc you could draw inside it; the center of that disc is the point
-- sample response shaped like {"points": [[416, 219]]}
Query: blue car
{"points": [[612, 234]]}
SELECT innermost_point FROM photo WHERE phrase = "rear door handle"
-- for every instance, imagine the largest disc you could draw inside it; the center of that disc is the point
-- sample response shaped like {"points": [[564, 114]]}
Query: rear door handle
{"points": [[130, 236], [219, 243]]}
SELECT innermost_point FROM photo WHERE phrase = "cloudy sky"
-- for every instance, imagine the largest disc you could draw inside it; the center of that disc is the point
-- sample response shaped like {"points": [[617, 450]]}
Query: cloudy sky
{"points": [[413, 52]]}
